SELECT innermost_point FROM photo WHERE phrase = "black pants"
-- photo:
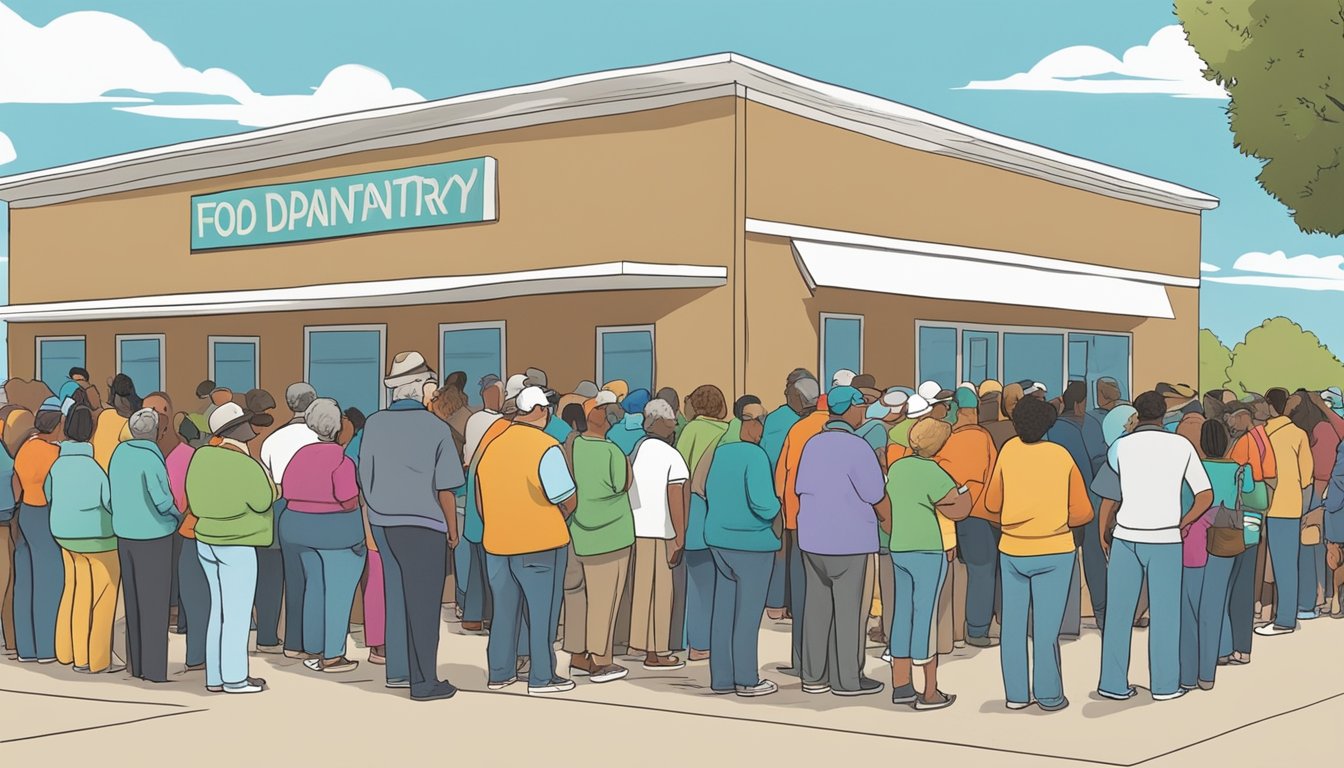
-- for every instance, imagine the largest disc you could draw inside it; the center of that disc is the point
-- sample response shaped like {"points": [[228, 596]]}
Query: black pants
{"points": [[147, 584], [174, 598], [270, 595], [422, 560], [193, 607]]}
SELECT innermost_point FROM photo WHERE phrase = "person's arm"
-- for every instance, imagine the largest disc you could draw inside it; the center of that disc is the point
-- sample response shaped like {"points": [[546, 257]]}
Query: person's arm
{"points": [[557, 482], [782, 470], [448, 504], [448, 478], [17, 488], [1198, 480], [677, 502], [955, 505], [883, 511], [994, 491], [760, 492], [869, 481], [161, 494], [1108, 509], [629, 473], [345, 486], [1305, 466], [1080, 504], [262, 493]]}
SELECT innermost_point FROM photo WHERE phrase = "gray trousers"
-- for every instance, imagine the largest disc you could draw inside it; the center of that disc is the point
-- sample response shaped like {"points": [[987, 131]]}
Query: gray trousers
{"points": [[834, 620], [146, 583]]}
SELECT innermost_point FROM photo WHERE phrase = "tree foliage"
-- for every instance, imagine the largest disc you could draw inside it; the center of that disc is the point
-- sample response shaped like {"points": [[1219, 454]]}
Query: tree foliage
{"points": [[1280, 353], [1282, 62], [1214, 360]]}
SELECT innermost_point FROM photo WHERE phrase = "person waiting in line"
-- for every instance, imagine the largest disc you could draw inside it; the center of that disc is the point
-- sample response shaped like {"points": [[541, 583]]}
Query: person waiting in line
{"points": [[526, 492], [8, 501], [777, 426], [232, 498], [81, 522], [492, 401], [842, 497], [39, 574], [1039, 497], [602, 533], [658, 498], [1002, 429], [813, 421], [1250, 448], [371, 584], [110, 423], [279, 572], [629, 429], [469, 558], [741, 531], [894, 400], [696, 445], [408, 470], [193, 589], [1283, 523], [921, 495], [968, 456], [145, 519], [671, 397], [1313, 578], [1146, 546], [324, 526], [1071, 431]]}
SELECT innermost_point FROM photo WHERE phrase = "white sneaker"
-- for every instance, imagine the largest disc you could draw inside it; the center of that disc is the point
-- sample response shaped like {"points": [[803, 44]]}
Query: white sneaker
{"points": [[608, 673], [502, 685], [886, 657], [1273, 630], [763, 688], [817, 689], [557, 685], [1170, 696], [247, 687]]}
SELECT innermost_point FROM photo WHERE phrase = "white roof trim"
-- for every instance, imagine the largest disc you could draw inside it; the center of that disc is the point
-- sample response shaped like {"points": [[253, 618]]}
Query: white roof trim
{"points": [[950, 278], [612, 276], [960, 252], [590, 95]]}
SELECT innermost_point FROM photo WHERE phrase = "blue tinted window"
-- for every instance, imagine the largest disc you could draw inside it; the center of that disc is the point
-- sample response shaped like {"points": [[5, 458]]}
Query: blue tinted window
{"points": [[142, 360], [477, 352], [55, 359], [235, 364], [938, 356], [347, 366], [979, 356], [842, 345], [1093, 356], [628, 356], [1035, 357]]}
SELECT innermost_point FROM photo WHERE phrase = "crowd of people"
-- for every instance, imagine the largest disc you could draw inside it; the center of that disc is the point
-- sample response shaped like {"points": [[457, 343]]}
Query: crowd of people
{"points": [[625, 523]]}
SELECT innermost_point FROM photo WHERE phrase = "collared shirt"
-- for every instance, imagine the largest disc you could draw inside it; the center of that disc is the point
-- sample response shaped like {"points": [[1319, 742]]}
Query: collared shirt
{"points": [[1292, 458], [479, 422], [406, 457], [1152, 463], [786, 470], [838, 482], [657, 465], [279, 448]]}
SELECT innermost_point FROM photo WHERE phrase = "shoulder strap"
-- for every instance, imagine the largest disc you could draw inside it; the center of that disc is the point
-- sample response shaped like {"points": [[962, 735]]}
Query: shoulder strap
{"points": [[1259, 442]]}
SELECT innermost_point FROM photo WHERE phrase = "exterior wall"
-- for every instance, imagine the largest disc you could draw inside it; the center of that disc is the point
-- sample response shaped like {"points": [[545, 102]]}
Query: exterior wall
{"points": [[800, 171], [653, 186]]}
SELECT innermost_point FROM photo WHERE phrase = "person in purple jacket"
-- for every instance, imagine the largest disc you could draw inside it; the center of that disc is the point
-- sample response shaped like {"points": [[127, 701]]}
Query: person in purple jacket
{"points": [[842, 498]]}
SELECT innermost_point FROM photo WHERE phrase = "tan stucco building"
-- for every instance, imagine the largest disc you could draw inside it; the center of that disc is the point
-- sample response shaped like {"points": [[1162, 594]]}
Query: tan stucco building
{"points": [[710, 220]]}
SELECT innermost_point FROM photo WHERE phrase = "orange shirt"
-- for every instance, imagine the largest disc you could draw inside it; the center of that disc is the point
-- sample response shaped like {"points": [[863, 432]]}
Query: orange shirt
{"points": [[969, 458], [896, 452], [31, 466], [1247, 451], [786, 472]]}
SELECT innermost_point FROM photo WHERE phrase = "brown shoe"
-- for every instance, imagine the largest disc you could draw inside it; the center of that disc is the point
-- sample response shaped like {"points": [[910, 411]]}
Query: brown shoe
{"points": [[657, 663], [473, 626], [694, 655]]}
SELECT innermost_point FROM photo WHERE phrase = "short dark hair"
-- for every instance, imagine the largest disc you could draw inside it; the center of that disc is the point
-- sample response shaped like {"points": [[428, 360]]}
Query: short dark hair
{"points": [[1277, 399], [707, 400], [356, 417], [742, 403], [77, 371], [46, 422], [669, 395], [1075, 393], [79, 424], [574, 416], [1151, 406], [1032, 418], [1213, 438]]}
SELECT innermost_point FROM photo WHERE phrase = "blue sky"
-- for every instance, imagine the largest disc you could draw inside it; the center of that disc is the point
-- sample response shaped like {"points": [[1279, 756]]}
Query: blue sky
{"points": [[920, 53]]}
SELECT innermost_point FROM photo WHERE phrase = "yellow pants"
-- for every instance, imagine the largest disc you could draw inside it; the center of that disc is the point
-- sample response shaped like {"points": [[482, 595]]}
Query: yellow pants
{"points": [[88, 609]]}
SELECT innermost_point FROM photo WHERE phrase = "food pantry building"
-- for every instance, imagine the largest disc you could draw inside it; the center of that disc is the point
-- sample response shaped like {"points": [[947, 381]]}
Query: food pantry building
{"points": [[710, 220]]}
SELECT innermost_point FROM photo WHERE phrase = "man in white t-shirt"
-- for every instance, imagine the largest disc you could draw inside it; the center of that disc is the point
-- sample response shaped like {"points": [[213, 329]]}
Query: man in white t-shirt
{"points": [[492, 399], [658, 495], [1150, 527]]}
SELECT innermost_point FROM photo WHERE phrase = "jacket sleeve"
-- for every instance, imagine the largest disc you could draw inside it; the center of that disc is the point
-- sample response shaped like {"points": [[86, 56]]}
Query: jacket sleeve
{"points": [[867, 477], [161, 493], [261, 495], [343, 481], [105, 492], [782, 469], [994, 490], [1080, 504], [760, 491], [1305, 466]]}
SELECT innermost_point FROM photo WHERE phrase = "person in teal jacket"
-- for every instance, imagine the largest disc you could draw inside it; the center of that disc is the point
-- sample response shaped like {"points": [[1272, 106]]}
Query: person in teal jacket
{"points": [[742, 538], [145, 517], [81, 522]]}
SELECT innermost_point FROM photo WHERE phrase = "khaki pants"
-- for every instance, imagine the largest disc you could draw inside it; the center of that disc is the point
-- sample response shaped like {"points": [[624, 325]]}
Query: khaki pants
{"points": [[574, 634], [84, 622], [7, 584], [604, 582], [651, 599], [950, 628]]}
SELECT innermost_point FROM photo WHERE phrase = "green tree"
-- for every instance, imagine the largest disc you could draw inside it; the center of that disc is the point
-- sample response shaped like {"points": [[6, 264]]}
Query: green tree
{"points": [[1280, 353], [1214, 360], [1283, 65]]}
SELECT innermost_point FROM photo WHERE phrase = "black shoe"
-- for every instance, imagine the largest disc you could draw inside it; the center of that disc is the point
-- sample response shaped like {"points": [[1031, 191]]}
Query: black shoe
{"points": [[867, 687], [440, 690]]}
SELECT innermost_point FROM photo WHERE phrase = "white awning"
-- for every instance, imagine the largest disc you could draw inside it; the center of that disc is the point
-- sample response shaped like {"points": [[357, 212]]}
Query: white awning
{"points": [[977, 276], [611, 276]]}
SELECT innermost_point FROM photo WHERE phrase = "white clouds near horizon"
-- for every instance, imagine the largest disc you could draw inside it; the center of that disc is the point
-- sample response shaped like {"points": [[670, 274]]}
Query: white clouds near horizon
{"points": [[1278, 270]]}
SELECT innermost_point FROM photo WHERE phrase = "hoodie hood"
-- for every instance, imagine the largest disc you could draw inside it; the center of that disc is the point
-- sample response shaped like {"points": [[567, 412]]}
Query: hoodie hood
{"points": [[72, 448]]}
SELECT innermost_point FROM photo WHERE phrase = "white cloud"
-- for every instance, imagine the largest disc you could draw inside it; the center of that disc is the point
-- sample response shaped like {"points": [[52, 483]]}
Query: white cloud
{"points": [[1278, 270], [7, 153], [89, 57], [1205, 266], [1166, 65]]}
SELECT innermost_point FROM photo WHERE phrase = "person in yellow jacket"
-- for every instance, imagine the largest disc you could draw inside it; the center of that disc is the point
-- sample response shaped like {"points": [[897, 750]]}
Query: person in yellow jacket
{"points": [[1283, 523]]}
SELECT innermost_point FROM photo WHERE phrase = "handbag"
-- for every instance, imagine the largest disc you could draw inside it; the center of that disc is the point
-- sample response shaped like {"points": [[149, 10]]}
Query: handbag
{"points": [[1226, 537], [1312, 524]]}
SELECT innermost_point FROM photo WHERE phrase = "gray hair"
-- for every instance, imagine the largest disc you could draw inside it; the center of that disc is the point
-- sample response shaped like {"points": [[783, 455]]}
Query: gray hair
{"points": [[323, 417], [808, 389], [414, 390], [144, 424], [658, 410], [299, 396], [614, 413]]}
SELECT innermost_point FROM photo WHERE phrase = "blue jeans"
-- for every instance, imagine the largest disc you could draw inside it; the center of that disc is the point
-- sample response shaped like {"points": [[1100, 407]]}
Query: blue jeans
{"points": [[779, 576], [396, 644], [1130, 564], [1213, 602], [39, 579], [1285, 544], [469, 559], [699, 597], [231, 573], [1094, 568], [527, 590], [919, 579], [1239, 622], [330, 577], [1192, 587], [740, 588], [1038, 585], [1311, 575], [978, 544], [461, 566]]}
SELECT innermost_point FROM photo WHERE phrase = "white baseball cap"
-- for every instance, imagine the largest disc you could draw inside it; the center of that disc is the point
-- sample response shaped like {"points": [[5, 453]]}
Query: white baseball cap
{"points": [[1035, 387], [917, 406], [516, 383], [530, 398], [605, 397], [843, 378]]}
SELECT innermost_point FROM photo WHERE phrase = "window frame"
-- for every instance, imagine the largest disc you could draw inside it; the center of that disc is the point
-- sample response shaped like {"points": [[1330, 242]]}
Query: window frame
{"points": [[653, 349], [163, 354], [500, 325], [255, 341], [821, 343], [381, 328], [37, 352]]}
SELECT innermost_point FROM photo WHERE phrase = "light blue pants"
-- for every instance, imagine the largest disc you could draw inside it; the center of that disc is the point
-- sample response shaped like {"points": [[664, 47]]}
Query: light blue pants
{"points": [[330, 577], [1213, 604], [231, 573], [1130, 563], [741, 584], [1192, 588], [919, 579], [699, 597], [1285, 544], [396, 644], [527, 590], [1038, 585]]}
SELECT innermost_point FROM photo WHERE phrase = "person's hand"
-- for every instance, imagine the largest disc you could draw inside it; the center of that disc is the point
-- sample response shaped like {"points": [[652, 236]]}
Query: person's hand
{"points": [[675, 548], [1105, 547], [951, 554], [453, 538]]}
